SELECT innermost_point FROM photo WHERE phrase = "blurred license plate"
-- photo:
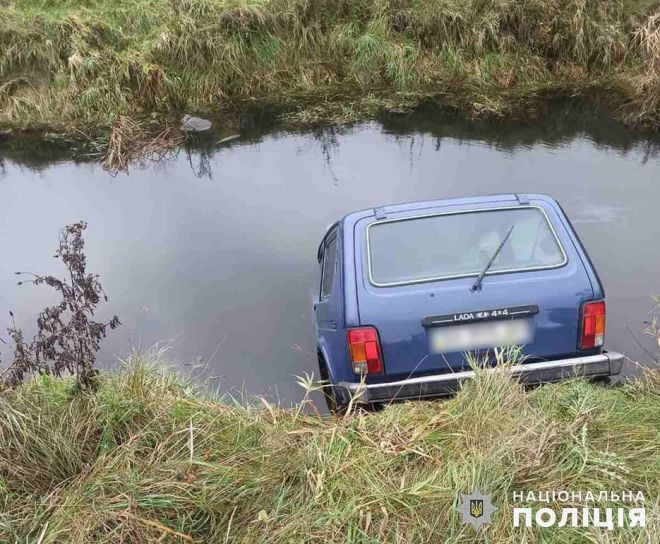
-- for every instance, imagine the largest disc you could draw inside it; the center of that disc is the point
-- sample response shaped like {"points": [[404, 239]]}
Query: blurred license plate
{"points": [[485, 335]]}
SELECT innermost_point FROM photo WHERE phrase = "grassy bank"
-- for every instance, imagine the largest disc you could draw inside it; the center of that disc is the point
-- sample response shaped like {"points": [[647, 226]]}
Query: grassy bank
{"points": [[81, 64], [147, 459]]}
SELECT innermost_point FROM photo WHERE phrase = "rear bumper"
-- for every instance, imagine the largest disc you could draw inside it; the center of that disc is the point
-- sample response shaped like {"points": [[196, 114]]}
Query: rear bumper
{"points": [[604, 364]]}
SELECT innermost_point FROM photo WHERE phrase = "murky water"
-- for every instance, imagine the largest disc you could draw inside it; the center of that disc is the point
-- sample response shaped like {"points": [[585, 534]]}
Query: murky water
{"points": [[213, 253]]}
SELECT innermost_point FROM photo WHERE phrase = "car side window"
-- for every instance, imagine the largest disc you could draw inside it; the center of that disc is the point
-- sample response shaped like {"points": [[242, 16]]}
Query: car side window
{"points": [[329, 260]]}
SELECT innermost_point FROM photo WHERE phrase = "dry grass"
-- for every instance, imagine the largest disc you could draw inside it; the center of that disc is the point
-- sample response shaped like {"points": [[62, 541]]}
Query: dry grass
{"points": [[84, 64], [147, 459], [130, 142]]}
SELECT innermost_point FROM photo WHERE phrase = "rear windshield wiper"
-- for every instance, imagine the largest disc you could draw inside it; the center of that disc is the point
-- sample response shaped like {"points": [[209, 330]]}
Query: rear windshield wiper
{"points": [[476, 286]]}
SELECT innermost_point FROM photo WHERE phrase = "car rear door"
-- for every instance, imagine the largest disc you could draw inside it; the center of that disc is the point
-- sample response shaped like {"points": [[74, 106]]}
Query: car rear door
{"points": [[328, 308], [408, 313]]}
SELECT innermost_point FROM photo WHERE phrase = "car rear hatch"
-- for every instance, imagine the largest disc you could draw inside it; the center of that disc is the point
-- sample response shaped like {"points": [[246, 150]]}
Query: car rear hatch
{"points": [[417, 268]]}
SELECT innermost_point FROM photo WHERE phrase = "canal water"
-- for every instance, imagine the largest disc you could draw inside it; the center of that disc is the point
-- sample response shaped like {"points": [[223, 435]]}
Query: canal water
{"points": [[210, 256]]}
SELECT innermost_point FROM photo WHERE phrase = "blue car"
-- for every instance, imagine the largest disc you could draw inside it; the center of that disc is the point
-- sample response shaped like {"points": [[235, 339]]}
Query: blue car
{"points": [[411, 294]]}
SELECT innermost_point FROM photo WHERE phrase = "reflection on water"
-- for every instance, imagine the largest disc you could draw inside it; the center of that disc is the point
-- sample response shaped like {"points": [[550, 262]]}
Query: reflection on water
{"points": [[213, 252]]}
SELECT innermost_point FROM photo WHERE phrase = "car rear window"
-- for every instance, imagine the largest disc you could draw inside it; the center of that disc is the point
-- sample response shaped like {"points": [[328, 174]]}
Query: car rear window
{"points": [[460, 244]]}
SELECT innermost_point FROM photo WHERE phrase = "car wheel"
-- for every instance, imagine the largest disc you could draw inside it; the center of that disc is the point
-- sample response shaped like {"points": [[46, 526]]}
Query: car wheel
{"points": [[330, 391], [605, 381]]}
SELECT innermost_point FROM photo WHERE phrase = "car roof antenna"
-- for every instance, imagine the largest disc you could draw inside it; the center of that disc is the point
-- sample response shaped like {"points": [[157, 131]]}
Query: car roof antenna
{"points": [[476, 286]]}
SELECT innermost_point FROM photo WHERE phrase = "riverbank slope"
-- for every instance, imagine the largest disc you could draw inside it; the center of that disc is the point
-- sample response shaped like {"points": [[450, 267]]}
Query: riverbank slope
{"points": [[82, 65], [146, 458]]}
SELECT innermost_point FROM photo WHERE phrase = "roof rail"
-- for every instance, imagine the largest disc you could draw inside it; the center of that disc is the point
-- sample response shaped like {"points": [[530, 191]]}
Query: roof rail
{"points": [[380, 213]]}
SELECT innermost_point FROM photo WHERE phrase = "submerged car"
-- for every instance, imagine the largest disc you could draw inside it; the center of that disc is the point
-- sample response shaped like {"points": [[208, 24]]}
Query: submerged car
{"points": [[411, 295]]}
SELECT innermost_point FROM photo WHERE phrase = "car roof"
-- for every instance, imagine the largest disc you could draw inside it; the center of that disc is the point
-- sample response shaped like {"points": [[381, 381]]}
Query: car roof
{"points": [[351, 218]]}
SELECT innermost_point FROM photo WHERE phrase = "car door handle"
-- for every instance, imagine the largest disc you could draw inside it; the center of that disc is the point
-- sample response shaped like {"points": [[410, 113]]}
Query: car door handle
{"points": [[314, 306]]}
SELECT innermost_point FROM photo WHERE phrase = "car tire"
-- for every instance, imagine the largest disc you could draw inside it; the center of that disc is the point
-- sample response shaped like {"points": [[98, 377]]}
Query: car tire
{"points": [[605, 381], [330, 396]]}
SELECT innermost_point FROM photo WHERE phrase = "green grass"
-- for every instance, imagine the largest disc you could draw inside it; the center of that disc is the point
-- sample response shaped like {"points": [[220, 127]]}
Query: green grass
{"points": [[146, 457], [81, 64]]}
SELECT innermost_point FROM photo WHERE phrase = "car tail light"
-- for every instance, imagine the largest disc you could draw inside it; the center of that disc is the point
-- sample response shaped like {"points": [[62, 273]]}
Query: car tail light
{"points": [[593, 325], [364, 350]]}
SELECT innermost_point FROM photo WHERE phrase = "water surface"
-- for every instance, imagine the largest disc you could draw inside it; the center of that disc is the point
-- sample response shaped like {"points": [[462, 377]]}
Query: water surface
{"points": [[213, 252]]}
